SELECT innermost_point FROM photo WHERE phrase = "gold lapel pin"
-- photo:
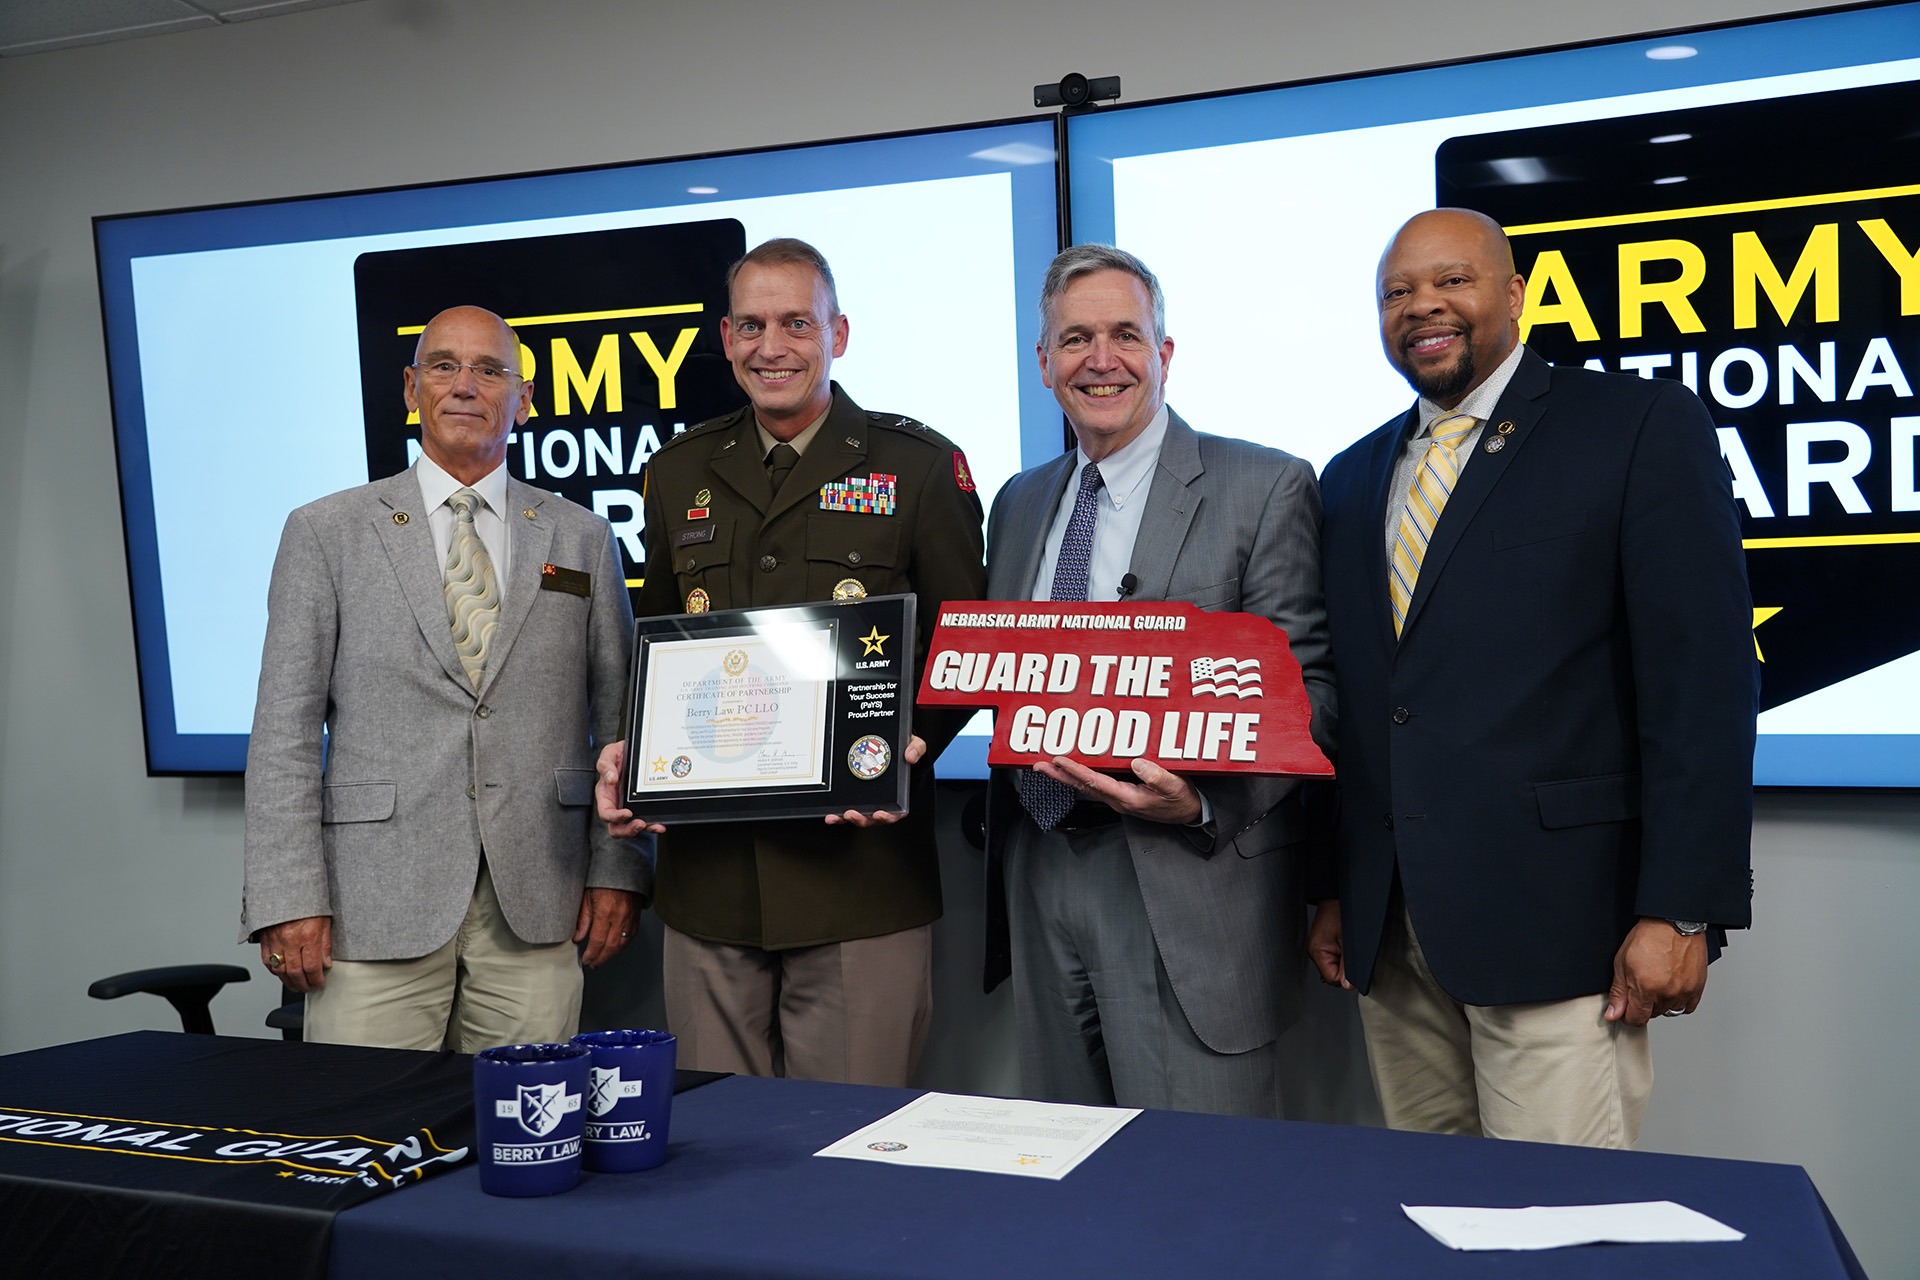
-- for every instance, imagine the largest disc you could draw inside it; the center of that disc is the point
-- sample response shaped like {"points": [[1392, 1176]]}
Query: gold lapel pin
{"points": [[400, 517]]}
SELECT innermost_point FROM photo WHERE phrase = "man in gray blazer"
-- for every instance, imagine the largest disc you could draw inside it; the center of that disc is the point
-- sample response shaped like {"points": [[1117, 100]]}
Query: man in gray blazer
{"points": [[1156, 925], [445, 648]]}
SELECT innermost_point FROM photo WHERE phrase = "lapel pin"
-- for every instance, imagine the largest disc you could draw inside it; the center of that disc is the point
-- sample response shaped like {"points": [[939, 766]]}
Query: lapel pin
{"points": [[401, 517], [528, 513]]}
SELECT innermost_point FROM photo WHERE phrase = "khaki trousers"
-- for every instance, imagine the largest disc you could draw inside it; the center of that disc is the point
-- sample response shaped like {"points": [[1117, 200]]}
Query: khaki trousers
{"points": [[854, 1012], [485, 987], [1550, 1072]]}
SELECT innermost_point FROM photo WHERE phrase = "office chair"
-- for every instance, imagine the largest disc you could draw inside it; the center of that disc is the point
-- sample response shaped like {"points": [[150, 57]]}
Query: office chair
{"points": [[189, 988]]}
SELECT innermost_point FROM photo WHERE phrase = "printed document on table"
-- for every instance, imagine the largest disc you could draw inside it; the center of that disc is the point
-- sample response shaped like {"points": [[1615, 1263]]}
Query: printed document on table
{"points": [[986, 1135], [1555, 1226]]}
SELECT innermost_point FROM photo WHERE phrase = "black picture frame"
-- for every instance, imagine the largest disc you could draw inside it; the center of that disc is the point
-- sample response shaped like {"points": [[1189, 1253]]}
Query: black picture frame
{"points": [[675, 747]]}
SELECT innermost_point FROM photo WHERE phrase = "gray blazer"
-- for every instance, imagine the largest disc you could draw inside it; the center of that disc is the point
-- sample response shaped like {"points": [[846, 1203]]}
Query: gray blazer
{"points": [[420, 773], [1231, 526]]}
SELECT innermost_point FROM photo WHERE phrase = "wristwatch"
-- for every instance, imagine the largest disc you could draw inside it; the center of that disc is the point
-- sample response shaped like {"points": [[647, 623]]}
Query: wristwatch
{"points": [[1687, 928]]}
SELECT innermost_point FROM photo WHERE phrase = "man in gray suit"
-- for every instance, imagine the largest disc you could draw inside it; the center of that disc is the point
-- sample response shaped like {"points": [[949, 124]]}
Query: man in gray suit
{"points": [[1155, 922], [445, 648]]}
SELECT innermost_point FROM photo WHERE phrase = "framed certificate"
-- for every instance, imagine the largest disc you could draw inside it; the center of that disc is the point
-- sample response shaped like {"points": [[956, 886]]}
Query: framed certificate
{"points": [[790, 712]]}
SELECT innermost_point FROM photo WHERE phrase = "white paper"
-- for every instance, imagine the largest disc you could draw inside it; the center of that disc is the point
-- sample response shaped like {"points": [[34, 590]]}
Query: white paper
{"points": [[736, 711], [1554, 1226], [985, 1135]]}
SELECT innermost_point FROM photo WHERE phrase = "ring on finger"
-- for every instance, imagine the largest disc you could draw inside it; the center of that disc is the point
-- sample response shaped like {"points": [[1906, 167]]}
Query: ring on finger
{"points": [[274, 961]]}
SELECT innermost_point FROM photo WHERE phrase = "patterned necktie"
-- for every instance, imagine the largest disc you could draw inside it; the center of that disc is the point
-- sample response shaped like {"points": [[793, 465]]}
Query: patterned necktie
{"points": [[1432, 485], [473, 595], [1049, 801], [780, 461]]}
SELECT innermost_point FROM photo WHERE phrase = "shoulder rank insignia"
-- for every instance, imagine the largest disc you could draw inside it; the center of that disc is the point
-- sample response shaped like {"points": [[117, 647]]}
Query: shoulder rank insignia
{"points": [[873, 495]]}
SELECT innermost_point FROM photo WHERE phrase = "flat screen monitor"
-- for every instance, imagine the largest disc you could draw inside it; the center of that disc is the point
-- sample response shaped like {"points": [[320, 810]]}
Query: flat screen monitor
{"points": [[1736, 207], [255, 353]]}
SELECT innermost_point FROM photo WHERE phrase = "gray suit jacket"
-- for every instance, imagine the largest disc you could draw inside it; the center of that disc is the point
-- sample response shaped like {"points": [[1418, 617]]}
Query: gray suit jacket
{"points": [[420, 773], [1230, 526]]}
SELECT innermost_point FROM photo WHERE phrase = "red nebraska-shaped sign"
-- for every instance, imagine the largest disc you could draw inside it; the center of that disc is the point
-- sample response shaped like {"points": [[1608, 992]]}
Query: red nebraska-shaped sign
{"points": [[1197, 692]]}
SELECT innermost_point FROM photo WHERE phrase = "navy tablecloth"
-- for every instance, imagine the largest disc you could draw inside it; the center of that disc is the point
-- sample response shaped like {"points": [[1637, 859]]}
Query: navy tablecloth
{"points": [[1173, 1194]]}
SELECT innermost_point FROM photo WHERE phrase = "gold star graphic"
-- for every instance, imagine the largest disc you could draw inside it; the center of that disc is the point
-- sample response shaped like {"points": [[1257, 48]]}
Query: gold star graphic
{"points": [[284, 1173], [1760, 616], [874, 640], [660, 765]]}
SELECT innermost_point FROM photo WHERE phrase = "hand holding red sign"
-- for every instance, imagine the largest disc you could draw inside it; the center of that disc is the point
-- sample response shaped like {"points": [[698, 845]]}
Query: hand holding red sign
{"points": [[1107, 684]]}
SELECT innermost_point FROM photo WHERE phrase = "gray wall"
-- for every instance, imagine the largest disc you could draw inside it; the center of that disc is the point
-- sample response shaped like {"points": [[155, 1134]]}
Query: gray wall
{"points": [[1794, 1056]]}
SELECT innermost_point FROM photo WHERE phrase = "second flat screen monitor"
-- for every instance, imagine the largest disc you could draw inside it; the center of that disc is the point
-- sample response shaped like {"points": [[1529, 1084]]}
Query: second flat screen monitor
{"points": [[1738, 208]]}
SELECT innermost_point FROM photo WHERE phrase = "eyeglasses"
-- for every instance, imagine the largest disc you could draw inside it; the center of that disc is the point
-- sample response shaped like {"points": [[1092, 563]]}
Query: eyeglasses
{"points": [[444, 371]]}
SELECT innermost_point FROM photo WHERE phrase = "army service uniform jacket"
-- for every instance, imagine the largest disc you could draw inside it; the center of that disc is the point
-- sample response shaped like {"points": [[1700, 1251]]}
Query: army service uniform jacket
{"points": [[717, 539]]}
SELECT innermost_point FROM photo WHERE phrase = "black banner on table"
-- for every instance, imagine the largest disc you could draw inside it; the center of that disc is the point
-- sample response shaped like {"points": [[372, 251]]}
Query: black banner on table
{"points": [[791, 712], [249, 1148]]}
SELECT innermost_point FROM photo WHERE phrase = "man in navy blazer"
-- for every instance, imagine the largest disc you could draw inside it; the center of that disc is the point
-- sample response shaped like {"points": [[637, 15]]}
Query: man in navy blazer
{"points": [[1545, 795]]}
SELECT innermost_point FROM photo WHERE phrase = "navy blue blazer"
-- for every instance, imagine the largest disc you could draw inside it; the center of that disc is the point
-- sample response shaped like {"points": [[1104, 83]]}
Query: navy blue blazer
{"points": [[1561, 740]]}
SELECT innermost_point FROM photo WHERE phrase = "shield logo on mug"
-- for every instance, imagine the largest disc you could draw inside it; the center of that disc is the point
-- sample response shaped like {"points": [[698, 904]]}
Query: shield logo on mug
{"points": [[540, 1107], [603, 1091]]}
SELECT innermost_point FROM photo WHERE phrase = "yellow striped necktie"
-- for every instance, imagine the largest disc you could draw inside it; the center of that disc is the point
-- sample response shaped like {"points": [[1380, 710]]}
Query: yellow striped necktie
{"points": [[473, 594], [1432, 485]]}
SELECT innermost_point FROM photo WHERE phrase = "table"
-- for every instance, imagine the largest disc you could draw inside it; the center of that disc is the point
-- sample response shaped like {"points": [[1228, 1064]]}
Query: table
{"points": [[1172, 1194]]}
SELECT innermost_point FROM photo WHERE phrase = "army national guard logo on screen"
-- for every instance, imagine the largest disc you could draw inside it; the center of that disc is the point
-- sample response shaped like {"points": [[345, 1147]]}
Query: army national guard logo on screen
{"points": [[619, 333], [1764, 253]]}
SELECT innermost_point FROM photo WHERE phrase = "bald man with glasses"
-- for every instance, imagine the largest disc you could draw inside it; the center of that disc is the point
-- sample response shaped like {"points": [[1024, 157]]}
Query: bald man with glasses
{"points": [[446, 650]]}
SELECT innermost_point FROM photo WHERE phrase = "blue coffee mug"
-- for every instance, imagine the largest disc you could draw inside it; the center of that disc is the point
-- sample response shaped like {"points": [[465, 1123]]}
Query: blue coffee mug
{"points": [[629, 1098], [528, 1104]]}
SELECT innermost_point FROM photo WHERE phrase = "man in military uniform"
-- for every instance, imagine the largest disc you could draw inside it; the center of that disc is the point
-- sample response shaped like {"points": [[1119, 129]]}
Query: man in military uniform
{"points": [[796, 947]]}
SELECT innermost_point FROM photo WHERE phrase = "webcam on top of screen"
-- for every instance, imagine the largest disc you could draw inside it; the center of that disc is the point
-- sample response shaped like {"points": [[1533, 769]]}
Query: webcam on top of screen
{"points": [[1076, 90]]}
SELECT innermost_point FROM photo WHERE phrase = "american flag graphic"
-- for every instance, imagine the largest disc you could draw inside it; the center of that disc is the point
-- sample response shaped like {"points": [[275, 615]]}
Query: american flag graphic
{"points": [[1226, 677]]}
